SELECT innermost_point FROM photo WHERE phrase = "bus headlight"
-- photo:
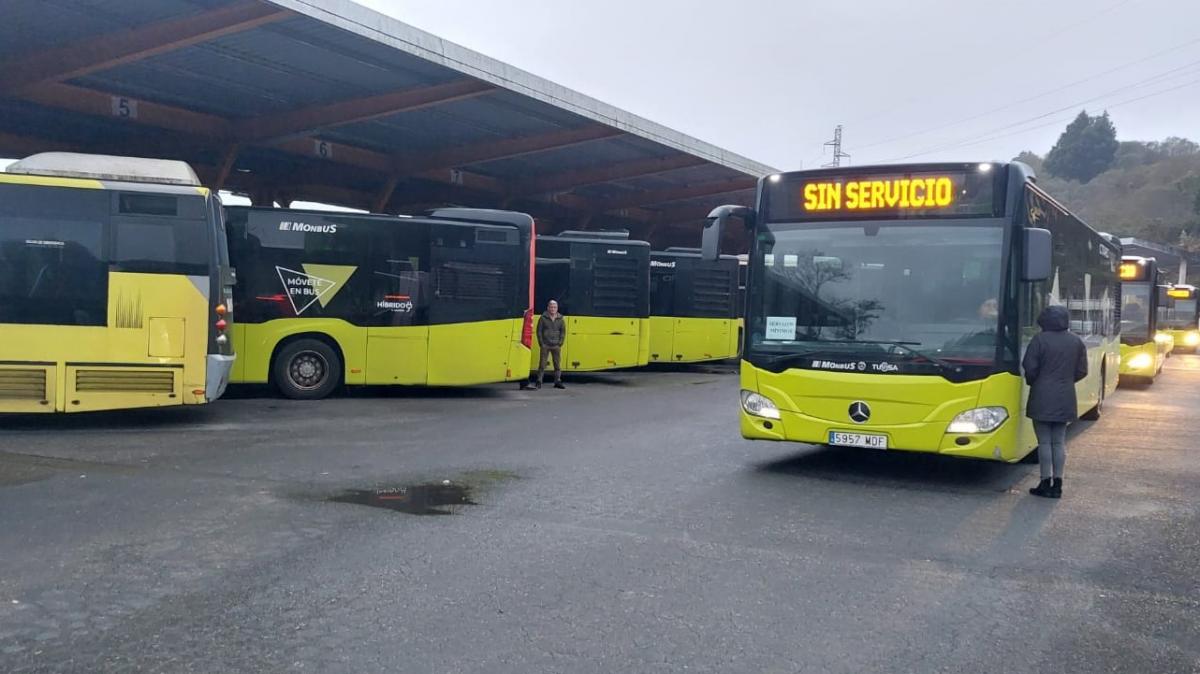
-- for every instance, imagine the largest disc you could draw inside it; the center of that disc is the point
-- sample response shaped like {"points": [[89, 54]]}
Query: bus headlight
{"points": [[1141, 361], [759, 405], [1192, 339], [978, 420]]}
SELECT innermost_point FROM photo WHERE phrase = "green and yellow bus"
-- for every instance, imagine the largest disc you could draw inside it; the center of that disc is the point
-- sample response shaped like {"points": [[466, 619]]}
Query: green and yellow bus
{"points": [[1181, 320], [601, 281], [889, 307], [114, 285], [326, 299], [1144, 349], [694, 306]]}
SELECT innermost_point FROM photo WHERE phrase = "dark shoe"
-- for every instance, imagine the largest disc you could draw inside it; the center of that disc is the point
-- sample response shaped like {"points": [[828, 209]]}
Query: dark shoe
{"points": [[537, 386], [558, 384], [1043, 489], [1056, 488]]}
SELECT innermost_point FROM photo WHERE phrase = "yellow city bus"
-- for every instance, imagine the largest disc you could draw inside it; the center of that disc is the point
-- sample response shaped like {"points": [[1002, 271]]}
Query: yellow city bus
{"points": [[114, 285], [601, 281], [1144, 349], [694, 307], [326, 299], [1182, 317], [889, 307]]}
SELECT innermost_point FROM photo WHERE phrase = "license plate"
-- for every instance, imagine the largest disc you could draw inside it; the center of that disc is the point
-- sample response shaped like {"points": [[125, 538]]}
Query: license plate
{"points": [[864, 440]]}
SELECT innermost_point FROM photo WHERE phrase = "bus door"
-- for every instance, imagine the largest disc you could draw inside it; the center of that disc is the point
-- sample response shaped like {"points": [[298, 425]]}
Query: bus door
{"points": [[398, 331], [662, 310]]}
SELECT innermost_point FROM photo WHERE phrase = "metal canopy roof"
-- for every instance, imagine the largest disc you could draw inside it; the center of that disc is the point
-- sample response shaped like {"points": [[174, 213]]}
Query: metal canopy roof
{"points": [[329, 101], [1171, 259]]}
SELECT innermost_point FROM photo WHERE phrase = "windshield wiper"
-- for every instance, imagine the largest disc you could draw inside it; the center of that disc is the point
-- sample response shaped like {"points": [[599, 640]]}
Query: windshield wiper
{"points": [[907, 346]]}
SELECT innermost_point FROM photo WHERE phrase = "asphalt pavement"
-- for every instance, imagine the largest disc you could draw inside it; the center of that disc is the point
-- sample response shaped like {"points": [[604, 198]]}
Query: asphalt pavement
{"points": [[621, 525]]}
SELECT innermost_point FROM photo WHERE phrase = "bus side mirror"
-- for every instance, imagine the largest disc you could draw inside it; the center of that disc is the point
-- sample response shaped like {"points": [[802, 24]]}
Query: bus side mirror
{"points": [[1039, 249], [710, 241]]}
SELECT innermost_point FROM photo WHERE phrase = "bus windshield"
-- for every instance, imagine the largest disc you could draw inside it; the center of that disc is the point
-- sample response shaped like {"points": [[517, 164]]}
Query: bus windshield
{"points": [[1135, 311], [916, 289], [1181, 315]]}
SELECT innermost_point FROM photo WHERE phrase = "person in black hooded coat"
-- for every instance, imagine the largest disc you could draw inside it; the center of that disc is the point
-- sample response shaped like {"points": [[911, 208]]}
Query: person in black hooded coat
{"points": [[1055, 360]]}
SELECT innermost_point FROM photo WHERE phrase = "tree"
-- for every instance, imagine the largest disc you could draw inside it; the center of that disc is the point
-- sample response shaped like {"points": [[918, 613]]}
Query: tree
{"points": [[1029, 157], [1085, 149]]}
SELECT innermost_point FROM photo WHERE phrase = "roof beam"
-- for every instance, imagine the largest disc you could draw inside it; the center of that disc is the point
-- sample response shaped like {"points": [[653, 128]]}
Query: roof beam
{"points": [[211, 128], [681, 193], [99, 104], [306, 120], [606, 174], [509, 148], [126, 46]]}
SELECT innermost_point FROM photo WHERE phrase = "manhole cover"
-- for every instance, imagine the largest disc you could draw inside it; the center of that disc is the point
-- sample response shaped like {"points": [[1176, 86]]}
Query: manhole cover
{"points": [[422, 499]]}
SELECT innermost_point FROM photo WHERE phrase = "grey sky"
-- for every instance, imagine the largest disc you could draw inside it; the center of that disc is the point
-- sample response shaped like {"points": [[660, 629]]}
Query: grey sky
{"points": [[770, 80]]}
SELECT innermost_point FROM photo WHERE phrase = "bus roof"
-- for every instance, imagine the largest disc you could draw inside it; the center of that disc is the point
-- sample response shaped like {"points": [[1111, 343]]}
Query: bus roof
{"points": [[107, 167]]}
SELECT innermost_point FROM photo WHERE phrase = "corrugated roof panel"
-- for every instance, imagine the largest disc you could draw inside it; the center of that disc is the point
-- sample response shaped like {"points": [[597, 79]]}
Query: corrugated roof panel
{"points": [[48, 24], [594, 154]]}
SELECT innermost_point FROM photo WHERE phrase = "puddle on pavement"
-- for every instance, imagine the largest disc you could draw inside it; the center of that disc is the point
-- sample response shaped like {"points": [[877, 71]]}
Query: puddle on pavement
{"points": [[447, 497], [420, 499]]}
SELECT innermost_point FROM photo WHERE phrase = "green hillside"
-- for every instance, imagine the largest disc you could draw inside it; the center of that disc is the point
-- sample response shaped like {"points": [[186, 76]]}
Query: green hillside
{"points": [[1150, 190]]}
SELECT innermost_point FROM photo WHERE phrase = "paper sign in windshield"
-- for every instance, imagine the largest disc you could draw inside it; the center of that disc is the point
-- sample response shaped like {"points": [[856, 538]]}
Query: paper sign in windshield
{"points": [[781, 327]]}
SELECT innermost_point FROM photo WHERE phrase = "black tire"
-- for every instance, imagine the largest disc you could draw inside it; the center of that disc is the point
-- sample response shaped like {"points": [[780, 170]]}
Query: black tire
{"points": [[306, 369], [1095, 413]]}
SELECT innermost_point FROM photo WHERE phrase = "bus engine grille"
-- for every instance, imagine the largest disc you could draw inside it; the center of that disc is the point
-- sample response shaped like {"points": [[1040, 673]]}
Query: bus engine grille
{"points": [[473, 282], [22, 384], [616, 286], [125, 381], [713, 293]]}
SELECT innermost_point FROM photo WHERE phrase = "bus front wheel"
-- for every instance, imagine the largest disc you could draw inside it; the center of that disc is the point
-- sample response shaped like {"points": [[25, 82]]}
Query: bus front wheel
{"points": [[306, 369]]}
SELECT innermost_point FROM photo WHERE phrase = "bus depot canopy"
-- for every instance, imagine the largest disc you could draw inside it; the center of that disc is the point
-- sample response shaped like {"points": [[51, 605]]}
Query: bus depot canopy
{"points": [[329, 101], [1176, 262]]}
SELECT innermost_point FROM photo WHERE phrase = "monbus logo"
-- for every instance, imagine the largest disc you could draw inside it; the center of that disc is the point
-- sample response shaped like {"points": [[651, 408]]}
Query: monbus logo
{"points": [[657, 263], [616, 251], [290, 226]]}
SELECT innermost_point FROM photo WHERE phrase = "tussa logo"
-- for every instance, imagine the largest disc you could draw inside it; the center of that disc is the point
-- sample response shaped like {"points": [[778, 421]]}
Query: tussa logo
{"points": [[290, 226], [860, 366]]}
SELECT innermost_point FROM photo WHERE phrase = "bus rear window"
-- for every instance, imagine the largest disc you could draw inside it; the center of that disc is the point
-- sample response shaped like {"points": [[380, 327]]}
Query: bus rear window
{"points": [[160, 246], [51, 272]]}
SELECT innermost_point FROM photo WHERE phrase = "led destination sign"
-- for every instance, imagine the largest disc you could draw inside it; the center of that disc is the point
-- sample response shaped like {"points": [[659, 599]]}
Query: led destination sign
{"points": [[886, 196], [858, 195]]}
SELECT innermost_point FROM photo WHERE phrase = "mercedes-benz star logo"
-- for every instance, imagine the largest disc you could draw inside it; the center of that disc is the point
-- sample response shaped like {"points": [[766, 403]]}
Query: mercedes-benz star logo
{"points": [[860, 412]]}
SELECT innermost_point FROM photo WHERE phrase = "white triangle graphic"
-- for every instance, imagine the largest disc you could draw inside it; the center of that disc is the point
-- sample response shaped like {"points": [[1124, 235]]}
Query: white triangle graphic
{"points": [[319, 288]]}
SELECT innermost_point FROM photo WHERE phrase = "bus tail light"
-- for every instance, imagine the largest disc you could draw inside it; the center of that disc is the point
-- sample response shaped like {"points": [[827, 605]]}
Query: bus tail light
{"points": [[527, 330]]}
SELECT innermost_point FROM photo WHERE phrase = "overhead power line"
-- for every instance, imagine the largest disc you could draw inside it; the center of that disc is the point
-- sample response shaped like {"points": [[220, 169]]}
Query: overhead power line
{"points": [[1048, 92], [1043, 95], [976, 141]]}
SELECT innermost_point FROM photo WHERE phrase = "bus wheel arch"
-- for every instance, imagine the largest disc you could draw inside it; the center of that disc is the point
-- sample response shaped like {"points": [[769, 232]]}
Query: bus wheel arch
{"points": [[307, 366]]}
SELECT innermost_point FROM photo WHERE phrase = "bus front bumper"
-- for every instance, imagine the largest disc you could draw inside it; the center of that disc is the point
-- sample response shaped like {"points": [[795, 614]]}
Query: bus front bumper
{"points": [[930, 437]]}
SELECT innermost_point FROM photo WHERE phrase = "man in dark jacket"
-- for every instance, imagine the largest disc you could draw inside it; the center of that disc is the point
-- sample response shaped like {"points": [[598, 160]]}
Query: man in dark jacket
{"points": [[1055, 360], [551, 334]]}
